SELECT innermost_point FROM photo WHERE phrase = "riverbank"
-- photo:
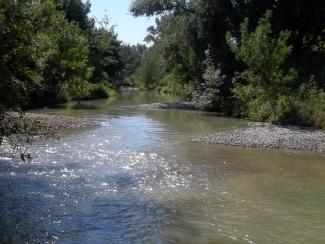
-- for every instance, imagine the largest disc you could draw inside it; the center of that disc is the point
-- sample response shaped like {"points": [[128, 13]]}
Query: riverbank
{"points": [[177, 106], [54, 122], [268, 136], [257, 135]]}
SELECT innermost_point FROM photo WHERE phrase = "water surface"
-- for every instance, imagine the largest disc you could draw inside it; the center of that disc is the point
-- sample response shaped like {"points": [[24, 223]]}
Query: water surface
{"points": [[137, 178]]}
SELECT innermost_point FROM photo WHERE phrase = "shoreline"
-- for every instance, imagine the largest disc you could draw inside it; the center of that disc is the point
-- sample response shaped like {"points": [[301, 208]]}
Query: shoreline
{"points": [[256, 135], [54, 122], [168, 106], [269, 136]]}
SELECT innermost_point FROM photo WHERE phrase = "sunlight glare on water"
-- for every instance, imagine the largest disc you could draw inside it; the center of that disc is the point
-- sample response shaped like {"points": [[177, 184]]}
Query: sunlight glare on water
{"points": [[138, 178]]}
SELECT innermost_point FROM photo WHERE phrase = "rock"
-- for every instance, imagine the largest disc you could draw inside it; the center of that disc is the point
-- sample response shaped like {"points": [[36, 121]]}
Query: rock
{"points": [[265, 135], [178, 106], [55, 122]]}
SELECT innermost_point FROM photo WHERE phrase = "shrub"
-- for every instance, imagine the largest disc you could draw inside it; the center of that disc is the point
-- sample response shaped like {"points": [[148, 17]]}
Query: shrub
{"points": [[98, 91], [266, 96], [173, 84], [311, 103], [264, 56], [207, 93]]}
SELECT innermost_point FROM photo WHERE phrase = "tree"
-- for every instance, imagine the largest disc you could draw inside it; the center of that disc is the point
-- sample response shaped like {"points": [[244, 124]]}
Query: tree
{"points": [[151, 71], [105, 54], [207, 94], [65, 54], [157, 7], [263, 56], [16, 55], [131, 56], [77, 11], [19, 75], [268, 86]]}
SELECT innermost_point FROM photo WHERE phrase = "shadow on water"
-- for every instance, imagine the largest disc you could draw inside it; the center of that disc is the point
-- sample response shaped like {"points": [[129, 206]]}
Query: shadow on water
{"points": [[38, 206], [74, 105], [84, 106], [138, 177]]}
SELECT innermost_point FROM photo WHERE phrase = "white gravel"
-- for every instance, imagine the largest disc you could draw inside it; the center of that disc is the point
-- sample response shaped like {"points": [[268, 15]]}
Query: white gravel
{"points": [[54, 121], [263, 135], [178, 106]]}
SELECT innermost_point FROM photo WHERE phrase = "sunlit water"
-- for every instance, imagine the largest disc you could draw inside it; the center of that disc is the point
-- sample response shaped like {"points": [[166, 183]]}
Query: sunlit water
{"points": [[137, 178]]}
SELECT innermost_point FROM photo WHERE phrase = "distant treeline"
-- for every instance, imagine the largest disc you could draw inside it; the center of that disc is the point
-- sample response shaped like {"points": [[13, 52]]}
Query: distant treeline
{"points": [[263, 60], [51, 51]]}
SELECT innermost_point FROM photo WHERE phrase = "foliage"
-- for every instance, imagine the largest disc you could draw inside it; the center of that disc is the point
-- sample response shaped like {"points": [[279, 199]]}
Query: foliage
{"points": [[131, 56], [79, 89], [311, 104], [186, 29], [151, 71], [269, 93], [268, 85], [207, 94], [152, 7], [264, 56], [173, 85], [16, 55], [175, 60], [76, 11], [98, 91], [66, 60], [105, 54], [49, 51]]}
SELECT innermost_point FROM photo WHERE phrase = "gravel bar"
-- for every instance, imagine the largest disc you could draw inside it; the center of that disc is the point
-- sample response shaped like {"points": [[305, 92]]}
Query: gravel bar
{"points": [[56, 122], [268, 136], [177, 106]]}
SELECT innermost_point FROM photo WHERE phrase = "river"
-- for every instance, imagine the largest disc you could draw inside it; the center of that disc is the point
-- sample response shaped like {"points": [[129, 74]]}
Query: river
{"points": [[138, 178]]}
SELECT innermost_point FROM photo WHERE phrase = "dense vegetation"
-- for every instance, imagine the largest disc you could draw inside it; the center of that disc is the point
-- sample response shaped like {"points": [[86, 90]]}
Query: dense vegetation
{"points": [[52, 51], [263, 60]]}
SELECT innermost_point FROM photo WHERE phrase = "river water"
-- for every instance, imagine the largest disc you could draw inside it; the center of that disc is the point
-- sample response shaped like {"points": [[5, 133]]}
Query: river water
{"points": [[137, 178]]}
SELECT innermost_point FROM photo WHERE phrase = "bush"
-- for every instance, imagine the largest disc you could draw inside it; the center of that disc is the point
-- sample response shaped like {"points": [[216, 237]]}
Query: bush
{"points": [[305, 107], [97, 91], [207, 94], [151, 71], [266, 96], [173, 84], [311, 103], [264, 57]]}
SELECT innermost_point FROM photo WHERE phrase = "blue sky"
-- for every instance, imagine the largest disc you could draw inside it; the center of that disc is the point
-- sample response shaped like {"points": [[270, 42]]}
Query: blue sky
{"points": [[130, 29]]}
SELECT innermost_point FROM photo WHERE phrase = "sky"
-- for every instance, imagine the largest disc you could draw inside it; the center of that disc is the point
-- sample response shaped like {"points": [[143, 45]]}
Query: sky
{"points": [[130, 30]]}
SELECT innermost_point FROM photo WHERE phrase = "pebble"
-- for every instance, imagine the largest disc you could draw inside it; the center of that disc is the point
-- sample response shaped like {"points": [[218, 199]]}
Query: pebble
{"points": [[269, 136], [56, 122], [178, 106]]}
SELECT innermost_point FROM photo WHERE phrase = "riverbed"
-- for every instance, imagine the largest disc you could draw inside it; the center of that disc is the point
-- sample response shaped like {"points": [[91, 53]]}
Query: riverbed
{"points": [[138, 178]]}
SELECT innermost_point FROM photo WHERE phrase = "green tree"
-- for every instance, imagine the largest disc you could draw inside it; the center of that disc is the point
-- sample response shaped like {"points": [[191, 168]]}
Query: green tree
{"points": [[151, 71], [266, 93], [131, 57], [207, 94], [105, 54], [156, 7], [63, 52], [19, 76], [16, 54], [77, 11]]}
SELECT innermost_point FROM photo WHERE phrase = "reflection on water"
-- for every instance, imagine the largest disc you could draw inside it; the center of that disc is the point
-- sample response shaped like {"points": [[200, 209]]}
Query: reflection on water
{"points": [[138, 178]]}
